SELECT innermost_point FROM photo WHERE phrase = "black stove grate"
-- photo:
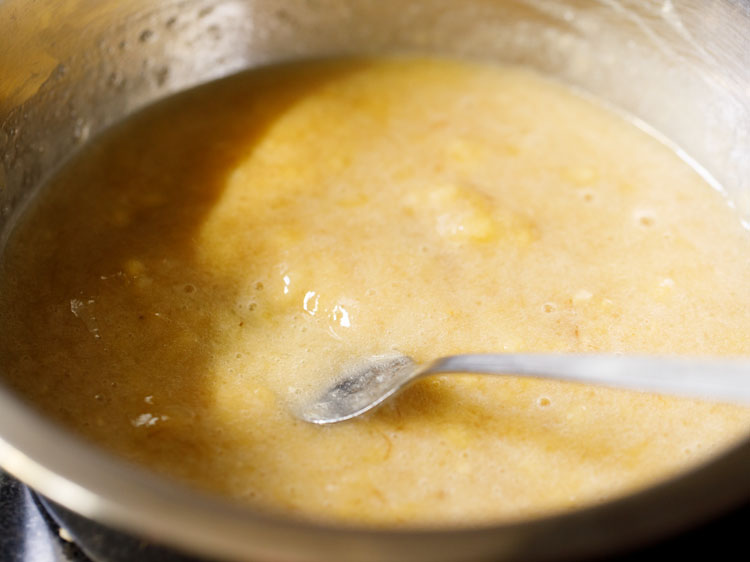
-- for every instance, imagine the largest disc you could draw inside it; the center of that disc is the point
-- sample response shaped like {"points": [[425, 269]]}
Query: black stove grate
{"points": [[27, 532]]}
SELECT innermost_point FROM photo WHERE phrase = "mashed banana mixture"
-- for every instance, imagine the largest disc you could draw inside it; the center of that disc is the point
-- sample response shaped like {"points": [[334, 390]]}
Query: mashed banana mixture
{"points": [[199, 270]]}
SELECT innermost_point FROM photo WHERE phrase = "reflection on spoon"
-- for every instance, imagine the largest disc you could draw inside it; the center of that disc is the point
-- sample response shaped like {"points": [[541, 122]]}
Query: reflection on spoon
{"points": [[377, 378]]}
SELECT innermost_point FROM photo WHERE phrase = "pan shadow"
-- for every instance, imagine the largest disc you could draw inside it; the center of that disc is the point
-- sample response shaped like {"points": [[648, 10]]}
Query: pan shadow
{"points": [[88, 336]]}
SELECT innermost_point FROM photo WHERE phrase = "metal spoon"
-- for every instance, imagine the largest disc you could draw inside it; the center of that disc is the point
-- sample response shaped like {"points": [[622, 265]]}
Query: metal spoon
{"points": [[382, 376]]}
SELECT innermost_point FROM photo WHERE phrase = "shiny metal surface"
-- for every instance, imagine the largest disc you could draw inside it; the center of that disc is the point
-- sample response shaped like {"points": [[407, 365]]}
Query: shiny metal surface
{"points": [[377, 378], [70, 68]]}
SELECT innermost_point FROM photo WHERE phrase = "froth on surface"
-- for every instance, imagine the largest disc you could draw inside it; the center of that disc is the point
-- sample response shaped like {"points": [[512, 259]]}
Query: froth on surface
{"points": [[205, 266]]}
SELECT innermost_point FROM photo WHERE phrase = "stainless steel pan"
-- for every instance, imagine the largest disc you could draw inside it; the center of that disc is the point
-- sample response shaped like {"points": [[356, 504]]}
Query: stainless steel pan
{"points": [[70, 68]]}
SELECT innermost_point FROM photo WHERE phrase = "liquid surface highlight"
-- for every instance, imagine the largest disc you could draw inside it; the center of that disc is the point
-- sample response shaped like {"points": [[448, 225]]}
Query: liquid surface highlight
{"points": [[201, 268]]}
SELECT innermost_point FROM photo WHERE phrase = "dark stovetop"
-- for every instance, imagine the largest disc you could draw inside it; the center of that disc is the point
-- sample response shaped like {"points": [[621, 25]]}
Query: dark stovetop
{"points": [[29, 534]]}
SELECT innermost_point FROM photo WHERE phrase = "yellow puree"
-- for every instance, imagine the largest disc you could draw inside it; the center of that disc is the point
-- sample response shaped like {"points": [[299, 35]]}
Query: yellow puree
{"points": [[200, 269]]}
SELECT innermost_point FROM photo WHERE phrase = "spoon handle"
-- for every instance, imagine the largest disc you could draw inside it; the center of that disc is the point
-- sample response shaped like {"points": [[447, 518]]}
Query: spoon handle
{"points": [[718, 379]]}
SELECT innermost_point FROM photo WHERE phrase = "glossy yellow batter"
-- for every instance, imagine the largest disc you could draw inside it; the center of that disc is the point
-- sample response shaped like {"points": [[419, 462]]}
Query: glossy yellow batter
{"points": [[201, 268]]}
